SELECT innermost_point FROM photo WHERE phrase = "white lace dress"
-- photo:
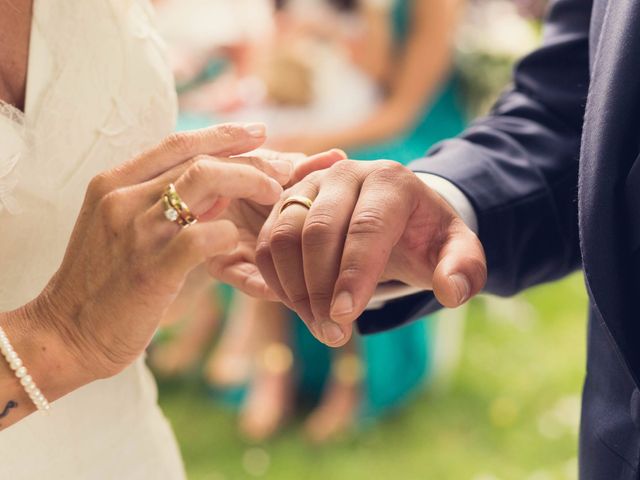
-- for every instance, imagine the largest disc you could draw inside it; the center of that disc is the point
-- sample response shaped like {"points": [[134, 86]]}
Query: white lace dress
{"points": [[98, 92]]}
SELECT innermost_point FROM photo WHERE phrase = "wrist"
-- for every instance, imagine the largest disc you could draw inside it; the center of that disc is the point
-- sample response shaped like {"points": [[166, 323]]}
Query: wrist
{"points": [[43, 350], [454, 197], [415, 257]]}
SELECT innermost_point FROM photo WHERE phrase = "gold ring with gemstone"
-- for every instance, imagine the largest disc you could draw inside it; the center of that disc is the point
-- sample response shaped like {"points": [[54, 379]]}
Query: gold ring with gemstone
{"points": [[296, 200], [170, 213], [175, 209]]}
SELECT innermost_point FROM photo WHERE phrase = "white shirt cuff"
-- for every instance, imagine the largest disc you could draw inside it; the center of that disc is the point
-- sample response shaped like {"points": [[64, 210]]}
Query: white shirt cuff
{"points": [[453, 196], [460, 203]]}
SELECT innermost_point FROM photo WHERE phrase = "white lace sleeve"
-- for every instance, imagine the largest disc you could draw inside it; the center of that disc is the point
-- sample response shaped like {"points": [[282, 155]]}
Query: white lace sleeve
{"points": [[12, 146]]}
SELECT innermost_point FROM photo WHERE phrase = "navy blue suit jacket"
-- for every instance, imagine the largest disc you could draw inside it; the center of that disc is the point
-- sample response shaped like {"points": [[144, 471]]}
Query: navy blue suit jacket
{"points": [[554, 176]]}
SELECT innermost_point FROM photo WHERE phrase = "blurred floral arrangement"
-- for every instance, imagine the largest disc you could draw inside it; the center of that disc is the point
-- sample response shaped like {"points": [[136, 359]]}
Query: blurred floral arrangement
{"points": [[494, 35]]}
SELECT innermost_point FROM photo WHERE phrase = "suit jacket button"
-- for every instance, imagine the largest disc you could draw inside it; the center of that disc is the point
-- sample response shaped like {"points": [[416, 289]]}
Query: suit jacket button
{"points": [[634, 406]]}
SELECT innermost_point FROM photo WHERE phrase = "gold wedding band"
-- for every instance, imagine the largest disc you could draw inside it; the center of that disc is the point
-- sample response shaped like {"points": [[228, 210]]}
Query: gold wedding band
{"points": [[175, 210], [296, 200]]}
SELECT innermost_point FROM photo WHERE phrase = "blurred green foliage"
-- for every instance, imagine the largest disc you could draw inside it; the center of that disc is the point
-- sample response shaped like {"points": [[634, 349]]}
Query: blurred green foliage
{"points": [[510, 411]]}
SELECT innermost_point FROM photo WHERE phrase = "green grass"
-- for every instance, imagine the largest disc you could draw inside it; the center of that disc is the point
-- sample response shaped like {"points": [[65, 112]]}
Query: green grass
{"points": [[510, 410]]}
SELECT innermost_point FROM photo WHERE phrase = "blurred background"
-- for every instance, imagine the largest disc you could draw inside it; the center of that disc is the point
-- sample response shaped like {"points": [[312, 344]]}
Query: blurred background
{"points": [[487, 392]]}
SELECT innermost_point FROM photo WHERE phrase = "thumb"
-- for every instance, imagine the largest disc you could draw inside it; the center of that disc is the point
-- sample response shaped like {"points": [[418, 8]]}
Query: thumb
{"points": [[461, 272]]}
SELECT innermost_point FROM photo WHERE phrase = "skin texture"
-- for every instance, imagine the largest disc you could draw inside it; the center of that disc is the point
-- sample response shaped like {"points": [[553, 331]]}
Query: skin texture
{"points": [[15, 27], [370, 222]]}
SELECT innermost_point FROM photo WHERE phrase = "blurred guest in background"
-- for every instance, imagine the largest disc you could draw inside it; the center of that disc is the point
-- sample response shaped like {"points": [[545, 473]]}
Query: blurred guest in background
{"points": [[381, 86], [407, 47]]}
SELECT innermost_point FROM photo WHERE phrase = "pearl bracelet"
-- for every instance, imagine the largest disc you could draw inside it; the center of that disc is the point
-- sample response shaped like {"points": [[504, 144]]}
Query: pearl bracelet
{"points": [[20, 370]]}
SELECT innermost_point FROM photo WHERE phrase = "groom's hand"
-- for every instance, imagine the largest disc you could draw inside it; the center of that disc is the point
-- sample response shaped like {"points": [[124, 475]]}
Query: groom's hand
{"points": [[369, 222], [239, 267]]}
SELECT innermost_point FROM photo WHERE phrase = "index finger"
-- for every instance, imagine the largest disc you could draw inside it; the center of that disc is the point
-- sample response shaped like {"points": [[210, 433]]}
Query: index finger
{"points": [[220, 140]]}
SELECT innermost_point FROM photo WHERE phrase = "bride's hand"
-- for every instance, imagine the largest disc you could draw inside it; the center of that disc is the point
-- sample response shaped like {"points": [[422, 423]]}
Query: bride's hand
{"points": [[126, 262]]}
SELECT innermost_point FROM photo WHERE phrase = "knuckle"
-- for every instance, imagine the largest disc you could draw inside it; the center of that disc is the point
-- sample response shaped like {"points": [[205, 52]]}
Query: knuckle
{"points": [[322, 298], [187, 164], [199, 158], [298, 297], [368, 222], [263, 253], [389, 170], [200, 167], [347, 171], [389, 166], [352, 272], [111, 210], [318, 230], [313, 178], [226, 133], [284, 236], [344, 167], [181, 143], [99, 186]]}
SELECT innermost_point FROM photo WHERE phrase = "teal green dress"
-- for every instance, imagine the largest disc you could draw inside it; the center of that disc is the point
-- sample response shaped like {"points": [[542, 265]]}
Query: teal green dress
{"points": [[397, 362]]}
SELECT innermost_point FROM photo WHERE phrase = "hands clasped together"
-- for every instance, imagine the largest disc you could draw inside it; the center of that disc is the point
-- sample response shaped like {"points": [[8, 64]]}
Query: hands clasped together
{"points": [[350, 226]]}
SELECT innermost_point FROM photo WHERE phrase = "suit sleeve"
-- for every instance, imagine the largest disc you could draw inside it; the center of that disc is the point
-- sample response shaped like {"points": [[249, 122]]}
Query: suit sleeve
{"points": [[519, 168]]}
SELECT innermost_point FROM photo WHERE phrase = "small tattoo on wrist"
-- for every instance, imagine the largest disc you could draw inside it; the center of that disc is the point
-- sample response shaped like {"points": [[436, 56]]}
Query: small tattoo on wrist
{"points": [[10, 404]]}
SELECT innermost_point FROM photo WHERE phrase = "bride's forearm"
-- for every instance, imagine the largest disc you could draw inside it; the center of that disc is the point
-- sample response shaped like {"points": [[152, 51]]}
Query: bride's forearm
{"points": [[42, 353]]}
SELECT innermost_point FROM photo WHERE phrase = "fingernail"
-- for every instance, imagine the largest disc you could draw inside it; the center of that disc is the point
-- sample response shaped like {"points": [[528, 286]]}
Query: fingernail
{"points": [[343, 304], [282, 167], [331, 332], [257, 130], [462, 285]]}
